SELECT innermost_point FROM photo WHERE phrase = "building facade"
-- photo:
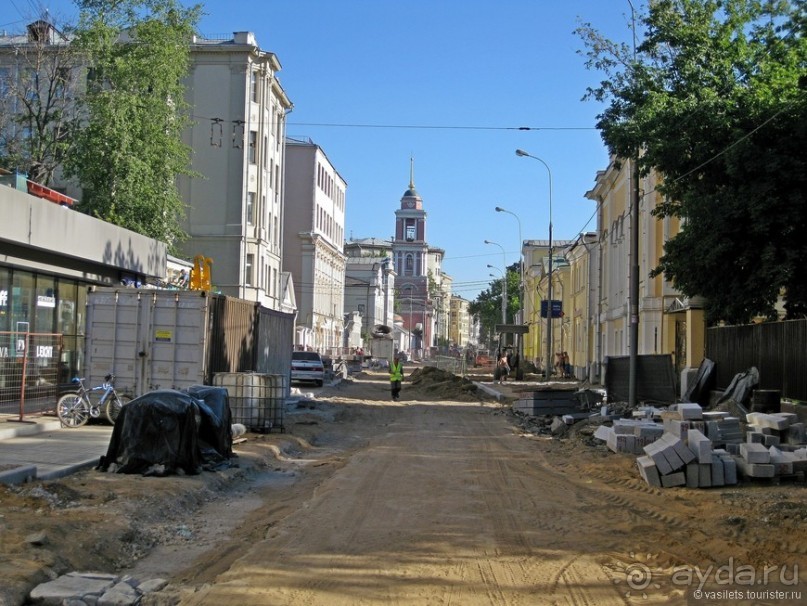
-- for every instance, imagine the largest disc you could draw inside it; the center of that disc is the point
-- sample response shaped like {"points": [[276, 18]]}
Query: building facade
{"points": [[235, 205], [460, 323], [314, 224], [667, 323]]}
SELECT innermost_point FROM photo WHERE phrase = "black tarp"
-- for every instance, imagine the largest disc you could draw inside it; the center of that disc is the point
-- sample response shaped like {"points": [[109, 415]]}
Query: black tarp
{"points": [[738, 393], [168, 431], [698, 390]]}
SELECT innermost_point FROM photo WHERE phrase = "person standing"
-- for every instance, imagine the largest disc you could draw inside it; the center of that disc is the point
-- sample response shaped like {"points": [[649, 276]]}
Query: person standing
{"points": [[504, 367], [396, 376]]}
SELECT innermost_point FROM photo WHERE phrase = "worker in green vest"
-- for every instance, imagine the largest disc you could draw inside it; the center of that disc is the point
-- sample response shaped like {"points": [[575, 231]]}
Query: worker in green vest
{"points": [[396, 376]]}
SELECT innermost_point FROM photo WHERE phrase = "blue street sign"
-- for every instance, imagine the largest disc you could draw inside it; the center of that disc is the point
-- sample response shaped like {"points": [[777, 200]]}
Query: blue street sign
{"points": [[557, 309]]}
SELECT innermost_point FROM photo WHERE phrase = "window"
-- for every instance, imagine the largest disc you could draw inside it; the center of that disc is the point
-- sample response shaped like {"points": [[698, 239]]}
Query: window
{"points": [[251, 207], [410, 233], [248, 269], [409, 264], [253, 86], [253, 146]]}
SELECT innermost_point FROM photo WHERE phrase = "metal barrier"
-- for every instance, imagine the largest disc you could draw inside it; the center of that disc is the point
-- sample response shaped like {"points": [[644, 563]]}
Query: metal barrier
{"points": [[30, 372]]}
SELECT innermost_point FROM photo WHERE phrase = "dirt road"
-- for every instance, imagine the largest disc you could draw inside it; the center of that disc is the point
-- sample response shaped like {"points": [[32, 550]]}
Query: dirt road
{"points": [[442, 498], [445, 502]]}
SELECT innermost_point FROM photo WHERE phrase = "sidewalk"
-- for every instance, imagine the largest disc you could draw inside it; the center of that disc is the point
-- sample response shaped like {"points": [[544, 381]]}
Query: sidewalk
{"points": [[41, 449]]}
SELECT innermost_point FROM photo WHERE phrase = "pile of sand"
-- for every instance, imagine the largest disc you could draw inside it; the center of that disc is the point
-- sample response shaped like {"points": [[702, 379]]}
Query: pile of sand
{"points": [[445, 385]]}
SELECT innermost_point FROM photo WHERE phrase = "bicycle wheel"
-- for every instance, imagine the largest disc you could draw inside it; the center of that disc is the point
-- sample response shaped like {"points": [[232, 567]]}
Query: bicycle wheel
{"points": [[73, 410], [114, 405]]}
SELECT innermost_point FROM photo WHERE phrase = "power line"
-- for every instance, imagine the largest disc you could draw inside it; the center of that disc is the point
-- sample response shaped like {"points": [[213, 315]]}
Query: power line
{"points": [[440, 126]]}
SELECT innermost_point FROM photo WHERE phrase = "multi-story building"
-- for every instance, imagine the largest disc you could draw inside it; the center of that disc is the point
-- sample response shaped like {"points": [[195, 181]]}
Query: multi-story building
{"points": [[582, 305], [668, 322], [536, 269], [460, 326], [369, 289], [235, 205], [314, 224]]}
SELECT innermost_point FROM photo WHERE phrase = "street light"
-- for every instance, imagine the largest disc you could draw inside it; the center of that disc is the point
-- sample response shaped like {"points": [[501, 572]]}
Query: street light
{"points": [[504, 291], [499, 209], [548, 362], [504, 280], [411, 292]]}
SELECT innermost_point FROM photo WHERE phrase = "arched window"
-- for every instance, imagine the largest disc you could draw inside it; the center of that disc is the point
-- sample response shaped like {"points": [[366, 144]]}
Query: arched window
{"points": [[409, 265]]}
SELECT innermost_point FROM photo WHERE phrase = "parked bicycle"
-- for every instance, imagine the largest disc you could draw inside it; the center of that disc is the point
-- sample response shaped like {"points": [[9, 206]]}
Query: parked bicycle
{"points": [[75, 409]]}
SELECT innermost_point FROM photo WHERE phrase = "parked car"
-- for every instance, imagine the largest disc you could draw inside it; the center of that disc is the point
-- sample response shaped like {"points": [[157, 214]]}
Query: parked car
{"points": [[307, 366]]}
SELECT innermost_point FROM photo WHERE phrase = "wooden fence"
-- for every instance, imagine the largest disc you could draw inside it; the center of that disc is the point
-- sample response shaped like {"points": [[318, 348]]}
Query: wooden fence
{"points": [[778, 350]]}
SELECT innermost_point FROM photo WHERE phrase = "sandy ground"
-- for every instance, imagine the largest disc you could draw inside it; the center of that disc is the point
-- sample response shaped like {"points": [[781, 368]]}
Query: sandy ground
{"points": [[441, 498]]}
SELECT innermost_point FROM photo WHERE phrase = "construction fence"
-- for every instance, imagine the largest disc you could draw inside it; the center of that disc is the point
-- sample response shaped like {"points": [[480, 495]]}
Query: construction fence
{"points": [[30, 372], [778, 350]]}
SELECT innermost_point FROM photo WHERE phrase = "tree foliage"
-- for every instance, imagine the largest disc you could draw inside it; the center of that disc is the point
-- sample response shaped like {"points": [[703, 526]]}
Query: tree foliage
{"points": [[38, 108], [130, 150], [488, 305], [714, 98]]}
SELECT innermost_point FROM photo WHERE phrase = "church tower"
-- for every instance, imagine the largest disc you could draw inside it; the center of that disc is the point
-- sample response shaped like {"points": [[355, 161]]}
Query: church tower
{"points": [[411, 257], [409, 246]]}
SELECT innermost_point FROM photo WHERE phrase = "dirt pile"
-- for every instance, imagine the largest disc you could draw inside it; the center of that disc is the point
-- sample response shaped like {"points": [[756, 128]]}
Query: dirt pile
{"points": [[441, 384]]}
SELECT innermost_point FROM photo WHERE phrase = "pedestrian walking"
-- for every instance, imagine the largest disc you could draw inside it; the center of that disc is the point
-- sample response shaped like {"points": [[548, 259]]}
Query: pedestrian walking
{"points": [[396, 376], [504, 368]]}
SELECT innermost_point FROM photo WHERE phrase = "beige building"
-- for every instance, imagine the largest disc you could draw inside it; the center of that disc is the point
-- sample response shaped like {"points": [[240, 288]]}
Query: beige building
{"points": [[235, 208], [460, 329], [536, 269], [313, 249], [668, 322]]}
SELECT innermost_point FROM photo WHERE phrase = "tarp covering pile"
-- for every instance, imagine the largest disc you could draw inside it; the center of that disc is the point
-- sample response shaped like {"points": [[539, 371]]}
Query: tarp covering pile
{"points": [[166, 432]]}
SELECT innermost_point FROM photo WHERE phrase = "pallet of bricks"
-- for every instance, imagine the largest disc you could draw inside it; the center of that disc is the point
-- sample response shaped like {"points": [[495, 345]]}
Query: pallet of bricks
{"points": [[685, 446]]}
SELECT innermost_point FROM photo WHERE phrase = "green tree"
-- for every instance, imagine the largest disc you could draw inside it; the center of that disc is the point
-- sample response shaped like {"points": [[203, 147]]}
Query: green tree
{"points": [[488, 305], [714, 97], [38, 108], [130, 151]]}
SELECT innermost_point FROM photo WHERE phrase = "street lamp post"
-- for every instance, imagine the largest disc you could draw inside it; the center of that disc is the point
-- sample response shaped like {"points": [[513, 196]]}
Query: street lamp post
{"points": [[411, 288], [548, 362], [499, 209], [504, 292], [504, 281]]}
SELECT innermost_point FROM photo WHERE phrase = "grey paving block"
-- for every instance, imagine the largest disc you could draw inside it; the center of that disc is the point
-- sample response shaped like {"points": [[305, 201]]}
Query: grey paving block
{"points": [[700, 445], [704, 475], [717, 471], [754, 470], [648, 471], [729, 469], [692, 474], [656, 452], [674, 479], [754, 453]]}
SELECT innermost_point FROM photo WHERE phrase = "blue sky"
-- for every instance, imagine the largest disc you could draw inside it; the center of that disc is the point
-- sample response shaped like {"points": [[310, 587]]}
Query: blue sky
{"points": [[448, 82]]}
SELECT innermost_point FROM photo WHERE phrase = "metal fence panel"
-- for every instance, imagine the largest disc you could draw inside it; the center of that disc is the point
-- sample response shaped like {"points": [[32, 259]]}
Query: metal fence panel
{"points": [[778, 350], [37, 358]]}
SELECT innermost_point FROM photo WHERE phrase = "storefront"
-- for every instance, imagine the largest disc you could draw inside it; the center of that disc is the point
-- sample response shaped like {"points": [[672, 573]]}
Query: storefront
{"points": [[49, 256]]}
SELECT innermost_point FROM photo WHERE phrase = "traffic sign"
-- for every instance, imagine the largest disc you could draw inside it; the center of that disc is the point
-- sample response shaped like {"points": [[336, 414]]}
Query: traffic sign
{"points": [[557, 309]]}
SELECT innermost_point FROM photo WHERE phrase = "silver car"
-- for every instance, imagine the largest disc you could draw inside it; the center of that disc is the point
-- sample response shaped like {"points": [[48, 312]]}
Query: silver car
{"points": [[307, 366]]}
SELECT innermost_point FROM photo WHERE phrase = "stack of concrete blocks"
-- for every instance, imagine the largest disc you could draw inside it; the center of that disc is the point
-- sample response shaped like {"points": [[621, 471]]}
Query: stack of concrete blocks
{"points": [[629, 435], [783, 430], [774, 446], [685, 455], [789, 463], [721, 428], [664, 462], [691, 462]]}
